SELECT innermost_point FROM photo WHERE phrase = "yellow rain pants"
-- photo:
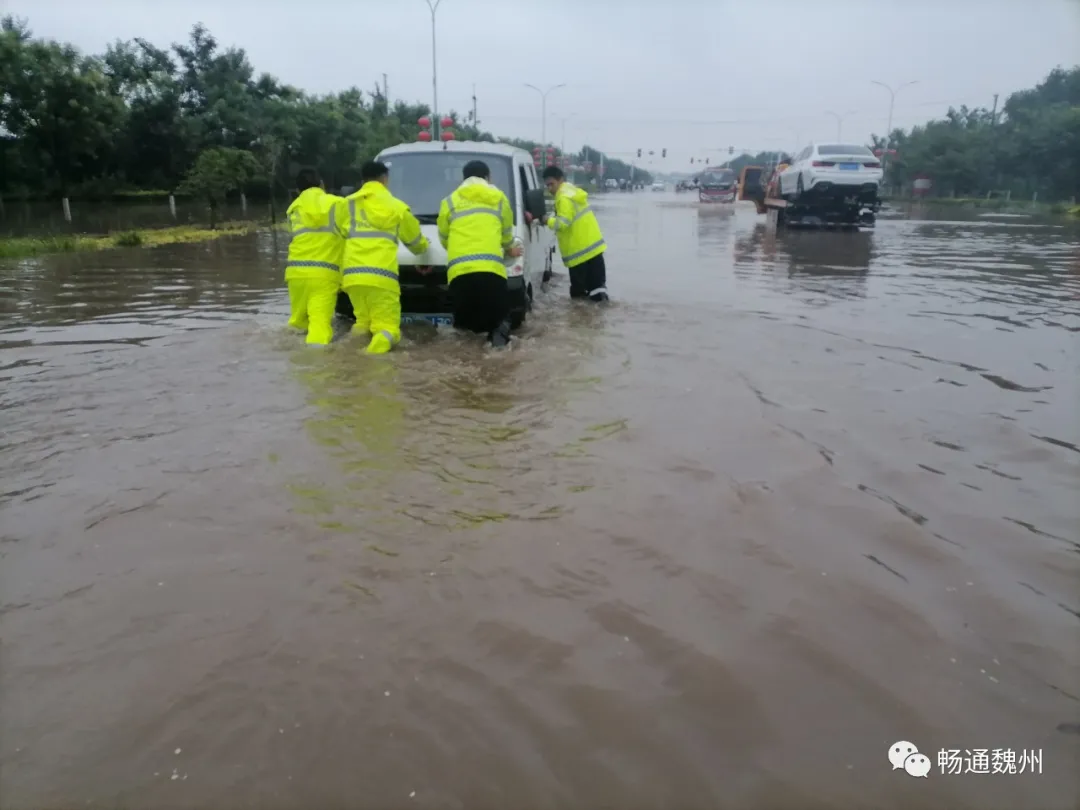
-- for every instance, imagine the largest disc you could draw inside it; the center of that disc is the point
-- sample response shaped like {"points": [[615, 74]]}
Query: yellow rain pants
{"points": [[378, 313], [312, 301]]}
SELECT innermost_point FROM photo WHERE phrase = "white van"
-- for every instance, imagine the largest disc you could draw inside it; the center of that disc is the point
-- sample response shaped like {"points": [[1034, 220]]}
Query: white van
{"points": [[422, 175]]}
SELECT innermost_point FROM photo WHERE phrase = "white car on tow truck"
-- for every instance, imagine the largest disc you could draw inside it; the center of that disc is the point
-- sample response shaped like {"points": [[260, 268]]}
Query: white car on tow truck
{"points": [[831, 171], [422, 175]]}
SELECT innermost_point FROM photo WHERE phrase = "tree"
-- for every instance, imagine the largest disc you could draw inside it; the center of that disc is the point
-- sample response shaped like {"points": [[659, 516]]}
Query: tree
{"points": [[1031, 146], [139, 115], [218, 171]]}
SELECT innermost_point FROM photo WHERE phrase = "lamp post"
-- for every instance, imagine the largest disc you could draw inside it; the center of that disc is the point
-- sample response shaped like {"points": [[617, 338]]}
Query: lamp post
{"points": [[433, 5], [839, 120], [543, 118], [888, 126], [563, 120]]}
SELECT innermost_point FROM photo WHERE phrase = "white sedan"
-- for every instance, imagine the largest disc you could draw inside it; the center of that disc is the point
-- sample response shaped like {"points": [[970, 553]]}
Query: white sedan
{"points": [[657, 186], [833, 170]]}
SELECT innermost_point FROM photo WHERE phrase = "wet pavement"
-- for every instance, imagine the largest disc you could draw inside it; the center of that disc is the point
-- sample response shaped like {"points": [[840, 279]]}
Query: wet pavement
{"points": [[788, 500]]}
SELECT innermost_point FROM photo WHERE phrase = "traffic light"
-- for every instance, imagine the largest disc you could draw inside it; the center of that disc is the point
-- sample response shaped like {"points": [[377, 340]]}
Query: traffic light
{"points": [[706, 161], [731, 150], [663, 153], [691, 160], [639, 153]]}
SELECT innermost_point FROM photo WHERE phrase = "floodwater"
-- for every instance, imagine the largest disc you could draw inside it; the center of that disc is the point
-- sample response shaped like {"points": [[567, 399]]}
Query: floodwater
{"points": [[790, 499]]}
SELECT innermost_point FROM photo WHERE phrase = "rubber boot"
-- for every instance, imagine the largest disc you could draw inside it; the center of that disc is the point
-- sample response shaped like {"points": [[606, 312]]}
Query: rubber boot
{"points": [[380, 344], [599, 297], [500, 335]]}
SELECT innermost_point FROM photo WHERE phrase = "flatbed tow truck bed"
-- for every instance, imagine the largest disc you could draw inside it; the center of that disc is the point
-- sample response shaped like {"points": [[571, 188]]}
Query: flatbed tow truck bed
{"points": [[795, 215]]}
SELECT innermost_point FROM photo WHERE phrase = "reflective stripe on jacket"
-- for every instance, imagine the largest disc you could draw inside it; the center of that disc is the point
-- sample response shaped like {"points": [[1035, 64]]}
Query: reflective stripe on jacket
{"points": [[476, 226], [315, 247], [372, 220], [575, 226]]}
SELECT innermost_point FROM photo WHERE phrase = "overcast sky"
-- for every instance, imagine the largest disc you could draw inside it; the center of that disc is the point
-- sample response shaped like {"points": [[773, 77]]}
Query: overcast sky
{"points": [[692, 76]]}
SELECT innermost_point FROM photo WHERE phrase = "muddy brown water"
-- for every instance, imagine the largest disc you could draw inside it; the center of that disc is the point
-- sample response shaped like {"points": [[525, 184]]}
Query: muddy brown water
{"points": [[790, 499]]}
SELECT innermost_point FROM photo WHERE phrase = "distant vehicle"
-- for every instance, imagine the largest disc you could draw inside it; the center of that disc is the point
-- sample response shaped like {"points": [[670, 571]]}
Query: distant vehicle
{"points": [[835, 171], [717, 186], [657, 186], [422, 175]]}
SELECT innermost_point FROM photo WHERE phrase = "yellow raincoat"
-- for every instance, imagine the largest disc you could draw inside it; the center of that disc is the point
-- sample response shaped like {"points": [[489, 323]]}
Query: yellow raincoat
{"points": [[476, 226], [372, 220], [313, 270], [575, 226]]}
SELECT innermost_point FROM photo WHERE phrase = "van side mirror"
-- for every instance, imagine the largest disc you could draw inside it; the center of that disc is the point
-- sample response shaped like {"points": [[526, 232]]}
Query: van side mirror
{"points": [[535, 203]]}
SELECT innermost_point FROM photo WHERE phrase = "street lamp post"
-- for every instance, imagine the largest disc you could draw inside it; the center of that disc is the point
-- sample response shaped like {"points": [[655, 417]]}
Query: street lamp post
{"points": [[543, 119], [839, 121], [563, 120], [888, 126], [434, 6]]}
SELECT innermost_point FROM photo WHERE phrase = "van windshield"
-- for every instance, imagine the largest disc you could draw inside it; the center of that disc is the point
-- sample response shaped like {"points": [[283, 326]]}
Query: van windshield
{"points": [[422, 180]]}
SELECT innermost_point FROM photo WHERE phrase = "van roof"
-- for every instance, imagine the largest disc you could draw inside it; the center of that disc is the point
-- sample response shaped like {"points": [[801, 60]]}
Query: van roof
{"points": [[474, 147]]}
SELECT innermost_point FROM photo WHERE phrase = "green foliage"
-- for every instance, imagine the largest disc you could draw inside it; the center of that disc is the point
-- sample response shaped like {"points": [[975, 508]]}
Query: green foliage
{"points": [[25, 247], [139, 116], [129, 239], [20, 247], [218, 171], [1031, 146]]}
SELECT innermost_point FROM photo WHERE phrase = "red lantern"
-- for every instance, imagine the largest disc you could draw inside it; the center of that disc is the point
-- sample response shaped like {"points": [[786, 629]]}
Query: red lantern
{"points": [[446, 122], [424, 136], [424, 122], [447, 135]]}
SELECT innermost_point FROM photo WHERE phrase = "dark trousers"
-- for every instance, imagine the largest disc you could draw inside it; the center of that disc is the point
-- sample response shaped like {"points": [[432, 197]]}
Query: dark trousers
{"points": [[588, 277], [481, 302]]}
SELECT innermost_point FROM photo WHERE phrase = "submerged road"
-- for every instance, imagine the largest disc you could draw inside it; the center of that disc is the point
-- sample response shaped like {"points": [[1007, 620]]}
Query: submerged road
{"points": [[788, 500]]}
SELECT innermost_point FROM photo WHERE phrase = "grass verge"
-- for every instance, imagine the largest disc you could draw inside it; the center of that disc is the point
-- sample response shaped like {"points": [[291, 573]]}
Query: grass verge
{"points": [[20, 247], [998, 204]]}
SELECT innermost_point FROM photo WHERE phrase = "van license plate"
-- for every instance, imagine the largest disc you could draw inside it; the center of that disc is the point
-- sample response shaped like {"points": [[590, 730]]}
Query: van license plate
{"points": [[436, 320], [849, 166]]}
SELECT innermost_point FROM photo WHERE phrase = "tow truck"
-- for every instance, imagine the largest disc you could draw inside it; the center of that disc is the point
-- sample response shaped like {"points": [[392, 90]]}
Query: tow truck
{"points": [[761, 185]]}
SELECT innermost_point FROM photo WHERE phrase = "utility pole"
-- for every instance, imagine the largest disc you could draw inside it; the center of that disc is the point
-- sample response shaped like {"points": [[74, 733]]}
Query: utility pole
{"points": [[562, 146], [839, 121], [888, 126], [475, 121], [386, 91], [993, 115], [433, 5], [543, 119]]}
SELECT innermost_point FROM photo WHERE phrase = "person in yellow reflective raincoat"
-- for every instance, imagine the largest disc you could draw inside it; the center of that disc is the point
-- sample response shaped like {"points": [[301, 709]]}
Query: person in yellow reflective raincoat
{"points": [[313, 270], [372, 220], [580, 241], [476, 226]]}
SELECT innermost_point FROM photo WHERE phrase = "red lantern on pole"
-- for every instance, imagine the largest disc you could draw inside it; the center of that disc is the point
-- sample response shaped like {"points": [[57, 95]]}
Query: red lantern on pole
{"points": [[424, 122], [447, 135], [446, 122], [424, 136]]}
